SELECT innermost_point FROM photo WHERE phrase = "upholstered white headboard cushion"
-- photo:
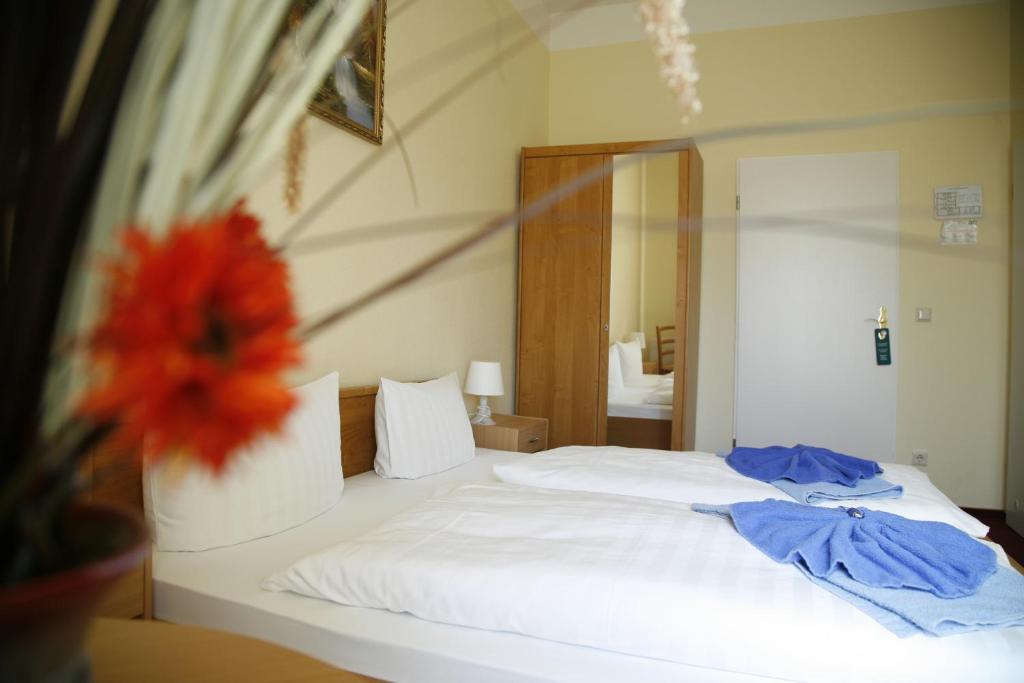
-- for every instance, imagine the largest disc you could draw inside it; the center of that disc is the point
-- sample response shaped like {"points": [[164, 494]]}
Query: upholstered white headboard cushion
{"points": [[422, 428], [277, 483]]}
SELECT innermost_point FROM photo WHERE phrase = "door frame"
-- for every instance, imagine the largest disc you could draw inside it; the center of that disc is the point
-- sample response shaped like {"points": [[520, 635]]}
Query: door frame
{"points": [[1014, 490], [688, 254]]}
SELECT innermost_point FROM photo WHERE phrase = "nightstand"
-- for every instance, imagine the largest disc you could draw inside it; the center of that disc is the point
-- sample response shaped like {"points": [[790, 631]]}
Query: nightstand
{"points": [[513, 433], [128, 650]]}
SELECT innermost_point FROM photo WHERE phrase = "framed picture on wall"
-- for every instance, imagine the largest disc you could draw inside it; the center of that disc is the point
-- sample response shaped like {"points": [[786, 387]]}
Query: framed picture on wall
{"points": [[352, 93]]}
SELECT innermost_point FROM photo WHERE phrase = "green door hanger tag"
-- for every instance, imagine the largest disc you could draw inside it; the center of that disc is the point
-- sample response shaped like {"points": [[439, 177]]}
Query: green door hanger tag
{"points": [[883, 350]]}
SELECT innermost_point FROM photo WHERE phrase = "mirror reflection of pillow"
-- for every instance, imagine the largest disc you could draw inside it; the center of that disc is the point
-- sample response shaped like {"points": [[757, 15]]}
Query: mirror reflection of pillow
{"points": [[615, 379], [631, 357]]}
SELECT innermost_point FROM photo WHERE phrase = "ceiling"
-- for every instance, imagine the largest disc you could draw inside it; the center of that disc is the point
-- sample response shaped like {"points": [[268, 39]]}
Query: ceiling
{"points": [[586, 23]]}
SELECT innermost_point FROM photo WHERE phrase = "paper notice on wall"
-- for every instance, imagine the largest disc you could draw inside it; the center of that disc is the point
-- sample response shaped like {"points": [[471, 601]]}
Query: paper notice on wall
{"points": [[958, 201], [959, 232]]}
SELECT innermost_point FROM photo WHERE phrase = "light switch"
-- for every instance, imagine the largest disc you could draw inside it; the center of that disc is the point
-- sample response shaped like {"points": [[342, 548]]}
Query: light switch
{"points": [[923, 314]]}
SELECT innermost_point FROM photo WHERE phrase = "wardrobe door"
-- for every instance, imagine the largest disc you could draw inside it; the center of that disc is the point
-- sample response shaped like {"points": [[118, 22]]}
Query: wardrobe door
{"points": [[563, 300], [688, 269]]}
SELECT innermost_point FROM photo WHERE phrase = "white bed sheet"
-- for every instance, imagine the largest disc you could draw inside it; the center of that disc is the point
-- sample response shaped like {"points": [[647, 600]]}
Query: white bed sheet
{"points": [[693, 477], [637, 575], [629, 402], [220, 589], [647, 381]]}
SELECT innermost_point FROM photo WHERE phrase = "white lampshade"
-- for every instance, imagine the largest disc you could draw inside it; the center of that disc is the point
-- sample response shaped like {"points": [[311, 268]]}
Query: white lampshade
{"points": [[484, 379], [638, 337]]}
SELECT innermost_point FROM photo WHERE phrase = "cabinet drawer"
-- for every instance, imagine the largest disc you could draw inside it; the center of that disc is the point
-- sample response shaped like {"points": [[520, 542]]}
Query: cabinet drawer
{"points": [[533, 438]]}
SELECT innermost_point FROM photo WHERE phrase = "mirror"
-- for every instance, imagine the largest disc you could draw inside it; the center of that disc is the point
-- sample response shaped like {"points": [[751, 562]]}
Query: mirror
{"points": [[642, 299]]}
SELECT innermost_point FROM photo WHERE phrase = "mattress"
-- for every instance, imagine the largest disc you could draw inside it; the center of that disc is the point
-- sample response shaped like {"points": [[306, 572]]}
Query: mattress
{"points": [[220, 589], [635, 575], [629, 402]]}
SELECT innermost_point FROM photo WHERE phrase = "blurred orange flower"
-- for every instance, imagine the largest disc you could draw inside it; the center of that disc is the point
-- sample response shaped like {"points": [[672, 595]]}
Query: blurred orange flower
{"points": [[197, 330]]}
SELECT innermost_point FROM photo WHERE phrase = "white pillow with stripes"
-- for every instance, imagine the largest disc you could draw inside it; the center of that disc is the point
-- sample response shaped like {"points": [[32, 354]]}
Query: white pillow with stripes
{"points": [[277, 483], [631, 356], [422, 428], [615, 379]]}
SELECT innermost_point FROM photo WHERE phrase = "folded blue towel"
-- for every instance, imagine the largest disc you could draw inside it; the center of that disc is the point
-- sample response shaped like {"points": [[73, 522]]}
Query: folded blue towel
{"points": [[821, 492], [913, 577], [801, 464]]}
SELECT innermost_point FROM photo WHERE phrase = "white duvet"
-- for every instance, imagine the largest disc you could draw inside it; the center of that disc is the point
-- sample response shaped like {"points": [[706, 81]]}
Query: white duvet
{"points": [[632, 575], [688, 477]]}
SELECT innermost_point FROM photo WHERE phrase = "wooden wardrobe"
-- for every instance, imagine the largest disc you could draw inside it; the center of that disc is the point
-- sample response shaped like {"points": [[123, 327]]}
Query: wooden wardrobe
{"points": [[564, 288]]}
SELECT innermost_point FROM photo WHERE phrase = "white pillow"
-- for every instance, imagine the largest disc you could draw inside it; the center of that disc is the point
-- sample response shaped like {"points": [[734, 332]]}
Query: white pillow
{"points": [[632, 359], [276, 483], [422, 428], [615, 379]]}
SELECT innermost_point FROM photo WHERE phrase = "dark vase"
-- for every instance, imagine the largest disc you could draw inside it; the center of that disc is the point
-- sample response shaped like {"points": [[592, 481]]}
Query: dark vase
{"points": [[44, 621]]}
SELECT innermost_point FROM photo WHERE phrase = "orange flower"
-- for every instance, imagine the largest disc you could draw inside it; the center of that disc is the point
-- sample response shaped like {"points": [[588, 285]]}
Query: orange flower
{"points": [[197, 330]]}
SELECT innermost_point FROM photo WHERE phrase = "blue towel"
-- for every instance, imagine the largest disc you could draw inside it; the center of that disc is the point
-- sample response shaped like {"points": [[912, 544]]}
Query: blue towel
{"points": [[801, 464], [875, 548], [913, 577], [821, 492]]}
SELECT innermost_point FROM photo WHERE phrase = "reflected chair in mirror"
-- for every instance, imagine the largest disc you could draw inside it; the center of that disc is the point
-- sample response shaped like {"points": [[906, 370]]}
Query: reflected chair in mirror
{"points": [[666, 347]]}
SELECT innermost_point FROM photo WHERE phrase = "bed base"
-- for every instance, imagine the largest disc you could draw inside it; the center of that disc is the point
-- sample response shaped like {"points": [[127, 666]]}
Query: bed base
{"points": [[639, 432]]}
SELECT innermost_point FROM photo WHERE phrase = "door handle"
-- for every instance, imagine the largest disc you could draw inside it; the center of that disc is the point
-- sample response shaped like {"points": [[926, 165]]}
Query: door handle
{"points": [[882, 319]]}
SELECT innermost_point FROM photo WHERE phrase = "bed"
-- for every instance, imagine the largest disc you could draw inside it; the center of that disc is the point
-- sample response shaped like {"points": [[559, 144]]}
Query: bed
{"points": [[221, 589], [635, 422]]}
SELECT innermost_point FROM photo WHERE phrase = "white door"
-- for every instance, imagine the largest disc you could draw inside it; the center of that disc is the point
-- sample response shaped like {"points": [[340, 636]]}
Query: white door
{"points": [[817, 255]]}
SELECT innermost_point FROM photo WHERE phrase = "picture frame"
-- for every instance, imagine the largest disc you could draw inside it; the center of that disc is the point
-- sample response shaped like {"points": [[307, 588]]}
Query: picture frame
{"points": [[351, 96]]}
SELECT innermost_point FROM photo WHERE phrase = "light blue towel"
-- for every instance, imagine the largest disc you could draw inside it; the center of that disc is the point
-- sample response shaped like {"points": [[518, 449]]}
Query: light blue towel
{"points": [[999, 603], [913, 577], [821, 492]]}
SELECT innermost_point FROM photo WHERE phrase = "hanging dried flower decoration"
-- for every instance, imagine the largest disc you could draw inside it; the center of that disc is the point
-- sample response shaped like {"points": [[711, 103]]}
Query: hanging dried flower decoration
{"points": [[295, 162], [663, 20], [197, 331]]}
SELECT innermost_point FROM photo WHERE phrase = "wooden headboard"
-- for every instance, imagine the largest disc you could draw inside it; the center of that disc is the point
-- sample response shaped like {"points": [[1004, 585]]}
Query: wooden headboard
{"points": [[358, 440]]}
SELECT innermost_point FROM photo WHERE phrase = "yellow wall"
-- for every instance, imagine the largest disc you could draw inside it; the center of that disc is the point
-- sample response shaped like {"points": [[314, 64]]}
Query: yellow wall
{"points": [[643, 258], [1017, 66], [1015, 446], [952, 375], [660, 216], [626, 258], [465, 163]]}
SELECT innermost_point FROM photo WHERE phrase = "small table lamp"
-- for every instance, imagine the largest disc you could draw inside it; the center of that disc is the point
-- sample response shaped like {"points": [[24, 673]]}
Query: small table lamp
{"points": [[483, 380], [637, 337]]}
